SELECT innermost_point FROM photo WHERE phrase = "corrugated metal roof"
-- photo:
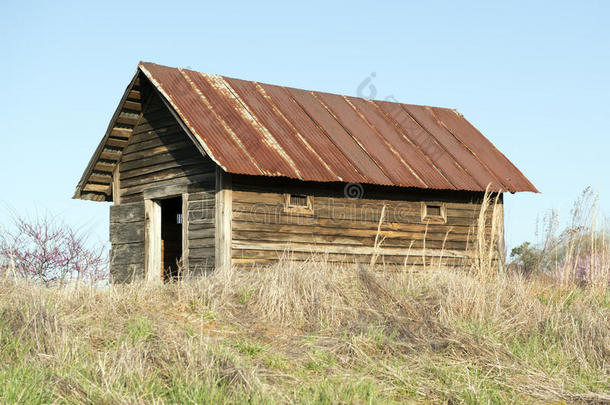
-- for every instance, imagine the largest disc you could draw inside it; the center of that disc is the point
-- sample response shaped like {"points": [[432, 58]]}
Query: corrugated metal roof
{"points": [[260, 129]]}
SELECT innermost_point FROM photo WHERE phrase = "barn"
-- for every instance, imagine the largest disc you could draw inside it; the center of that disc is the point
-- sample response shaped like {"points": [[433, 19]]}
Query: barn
{"points": [[205, 171]]}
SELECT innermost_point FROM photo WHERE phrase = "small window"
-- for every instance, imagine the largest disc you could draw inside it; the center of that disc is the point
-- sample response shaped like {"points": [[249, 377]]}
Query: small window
{"points": [[298, 200], [433, 212], [298, 203]]}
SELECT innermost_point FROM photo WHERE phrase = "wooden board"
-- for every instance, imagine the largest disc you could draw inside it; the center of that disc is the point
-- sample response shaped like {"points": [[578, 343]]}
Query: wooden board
{"points": [[127, 239], [344, 229], [160, 156]]}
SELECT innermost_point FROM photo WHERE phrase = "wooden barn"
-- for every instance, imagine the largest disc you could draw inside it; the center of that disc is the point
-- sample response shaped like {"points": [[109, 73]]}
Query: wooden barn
{"points": [[205, 171]]}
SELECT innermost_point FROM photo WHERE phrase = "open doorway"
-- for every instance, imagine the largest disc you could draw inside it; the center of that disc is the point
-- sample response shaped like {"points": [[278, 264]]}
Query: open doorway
{"points": [[171, 238]]}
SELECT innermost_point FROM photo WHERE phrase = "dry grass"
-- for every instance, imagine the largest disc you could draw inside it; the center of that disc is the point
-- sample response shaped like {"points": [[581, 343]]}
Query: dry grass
{"points": [[313, 333], [307, 333]]}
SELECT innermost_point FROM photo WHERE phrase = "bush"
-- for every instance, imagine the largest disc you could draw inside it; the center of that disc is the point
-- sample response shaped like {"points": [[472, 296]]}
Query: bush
{"points": [[48, 250], [579, 253], [526, 258]]}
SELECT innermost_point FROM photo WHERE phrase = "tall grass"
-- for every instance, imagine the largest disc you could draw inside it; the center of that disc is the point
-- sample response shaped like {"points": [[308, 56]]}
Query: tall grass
{"points": [[318, 332], [307, 333], [580, 253]]}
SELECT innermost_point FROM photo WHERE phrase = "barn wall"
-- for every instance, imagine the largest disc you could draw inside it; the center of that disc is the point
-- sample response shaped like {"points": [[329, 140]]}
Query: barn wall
{"points": [[345, 229], [161, 161], [160, 157], [127, 239], [201, 228]]}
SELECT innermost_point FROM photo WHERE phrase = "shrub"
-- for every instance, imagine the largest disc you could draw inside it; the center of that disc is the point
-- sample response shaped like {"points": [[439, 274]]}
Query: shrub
{"points": [[48, 250], [579, 253]]}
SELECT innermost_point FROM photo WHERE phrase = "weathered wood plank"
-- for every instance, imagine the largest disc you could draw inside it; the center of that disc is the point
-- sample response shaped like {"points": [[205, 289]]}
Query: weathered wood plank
{"points": [[128, 253], [104, 166], [154, 133], [342, 249], [119, 132], [127, 212], [116, 142], [152, 244], [202, 196], [151, 162], [339, 212], [167, 174], [416, 240], [128, 232], [202, 233], [259, 257], [133, 105], [196, 224], [163, 149], [126, 273], [223, 222], [155, 141], [99, 188], [100, 177], [169, 187], [356, 228], [186, 238], [134, 95], [201, 252]]}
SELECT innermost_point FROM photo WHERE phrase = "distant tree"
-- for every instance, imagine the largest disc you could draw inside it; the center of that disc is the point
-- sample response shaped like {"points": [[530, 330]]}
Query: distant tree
{"points": [[526, 258], [50, 251]]}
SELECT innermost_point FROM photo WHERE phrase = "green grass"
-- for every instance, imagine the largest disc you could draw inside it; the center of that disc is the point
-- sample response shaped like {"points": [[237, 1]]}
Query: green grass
{"points": [[438, 337]]}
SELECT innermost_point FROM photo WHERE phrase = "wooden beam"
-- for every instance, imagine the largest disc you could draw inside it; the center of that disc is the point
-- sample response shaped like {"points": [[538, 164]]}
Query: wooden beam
{"points": [[152, 241], [92, 196], [94, 159], [185, 232], [100, 177], [110, 154], [117, 143], [98, 188], [133, 105], [127, 119], [134, 95], [116, 186], [501, 241], [224, 208], [121, 132], [104, 166], [350, 250]]}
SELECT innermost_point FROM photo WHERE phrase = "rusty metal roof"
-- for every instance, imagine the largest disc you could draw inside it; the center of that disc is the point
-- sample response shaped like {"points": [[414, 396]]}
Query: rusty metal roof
{"points": [[254, 128], [260, 129]]}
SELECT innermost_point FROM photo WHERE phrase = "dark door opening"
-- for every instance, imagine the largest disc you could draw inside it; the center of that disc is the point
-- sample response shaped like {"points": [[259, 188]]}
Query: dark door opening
{"points": [[171, 237]]}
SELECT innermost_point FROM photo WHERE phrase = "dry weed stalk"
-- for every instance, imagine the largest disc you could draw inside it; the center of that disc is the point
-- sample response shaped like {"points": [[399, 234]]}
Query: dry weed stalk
{"points": [[486, 258], [378, 238]]}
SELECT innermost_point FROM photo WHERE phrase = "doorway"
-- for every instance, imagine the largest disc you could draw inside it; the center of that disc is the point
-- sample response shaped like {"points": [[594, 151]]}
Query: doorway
{"points": [[171, 238]]}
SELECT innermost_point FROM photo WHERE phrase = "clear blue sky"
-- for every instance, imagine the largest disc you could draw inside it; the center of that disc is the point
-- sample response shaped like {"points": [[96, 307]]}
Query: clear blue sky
{"points": [[534, 78]]}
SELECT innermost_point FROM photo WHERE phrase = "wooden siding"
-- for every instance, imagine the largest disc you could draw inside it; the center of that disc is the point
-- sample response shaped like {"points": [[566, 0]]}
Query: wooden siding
{"points": [[344, 229], [201, 231], [127, 239], [160, 161], [160, 154]]}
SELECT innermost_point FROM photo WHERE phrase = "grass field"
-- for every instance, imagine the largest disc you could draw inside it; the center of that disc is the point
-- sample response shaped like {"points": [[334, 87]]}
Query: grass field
{"points": [[320, 333], [308, 333]]}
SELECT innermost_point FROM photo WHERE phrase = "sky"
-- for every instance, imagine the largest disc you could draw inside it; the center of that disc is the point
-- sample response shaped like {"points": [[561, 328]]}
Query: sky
{"points": [[531, 76]]}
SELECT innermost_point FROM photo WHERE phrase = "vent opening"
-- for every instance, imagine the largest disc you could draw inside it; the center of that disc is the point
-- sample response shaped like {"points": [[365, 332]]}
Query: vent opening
{"points": [[433, 212], [297, 200], [298, 203]]}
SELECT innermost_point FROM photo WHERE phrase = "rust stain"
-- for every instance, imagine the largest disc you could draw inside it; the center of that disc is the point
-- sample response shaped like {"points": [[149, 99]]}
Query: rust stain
{"points": [[260, 129]]}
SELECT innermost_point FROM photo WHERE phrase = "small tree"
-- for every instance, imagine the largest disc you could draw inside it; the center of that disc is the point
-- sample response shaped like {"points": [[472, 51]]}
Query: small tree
{"points": [[48, 250], [526, 258]]}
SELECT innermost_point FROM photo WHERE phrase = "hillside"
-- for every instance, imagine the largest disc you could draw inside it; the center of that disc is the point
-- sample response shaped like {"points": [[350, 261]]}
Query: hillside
{"points": [[308, 333]]}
